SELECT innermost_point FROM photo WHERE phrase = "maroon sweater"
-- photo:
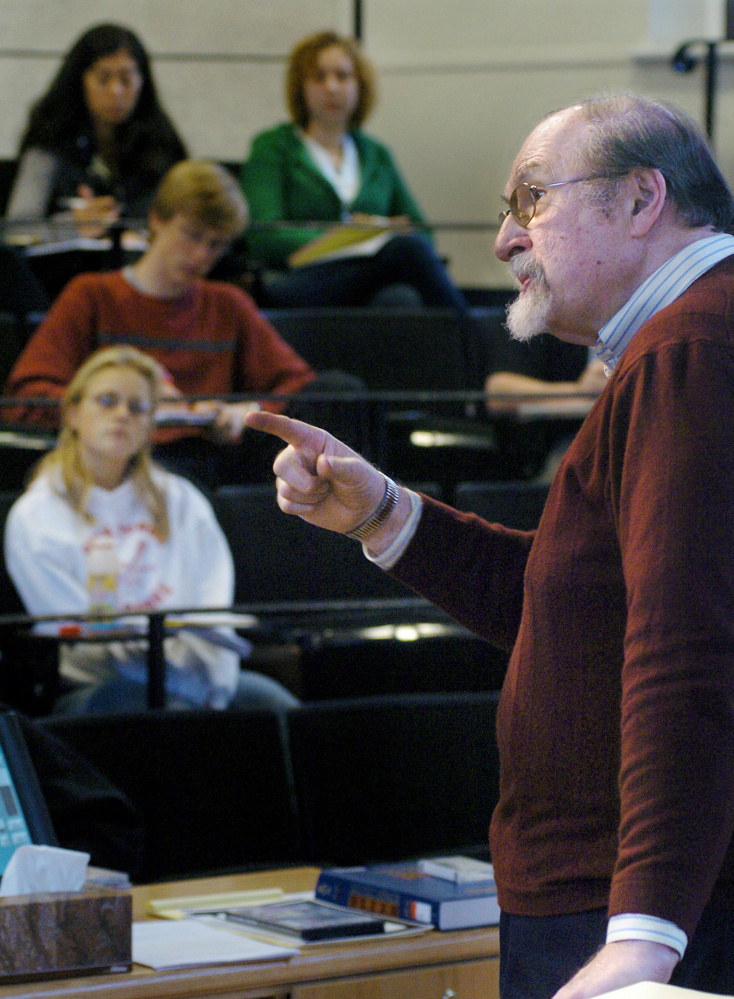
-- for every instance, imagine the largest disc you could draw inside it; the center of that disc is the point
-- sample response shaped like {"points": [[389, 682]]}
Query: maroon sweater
{"points": [[212, 340], [616, 721]]}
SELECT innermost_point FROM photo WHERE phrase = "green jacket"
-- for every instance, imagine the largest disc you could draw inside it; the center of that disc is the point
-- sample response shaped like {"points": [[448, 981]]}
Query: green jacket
{"points": [[281, 182]]}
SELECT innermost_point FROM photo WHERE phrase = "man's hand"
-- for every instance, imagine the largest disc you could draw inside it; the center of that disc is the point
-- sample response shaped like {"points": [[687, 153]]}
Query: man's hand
{"points": [[618, 964], [325, 482]]}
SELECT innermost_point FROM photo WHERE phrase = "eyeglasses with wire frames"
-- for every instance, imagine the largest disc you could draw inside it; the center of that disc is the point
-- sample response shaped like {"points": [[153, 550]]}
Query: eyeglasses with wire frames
{"points": [[111, 400], [525, 197]]}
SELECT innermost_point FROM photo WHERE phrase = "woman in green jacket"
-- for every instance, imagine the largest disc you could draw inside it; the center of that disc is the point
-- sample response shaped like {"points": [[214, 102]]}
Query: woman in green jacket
{"points": [[322, 167]]}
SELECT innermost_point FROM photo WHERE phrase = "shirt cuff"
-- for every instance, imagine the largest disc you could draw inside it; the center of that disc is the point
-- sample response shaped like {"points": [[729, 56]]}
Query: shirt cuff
{"points": [[636, 926], [388, 558]]}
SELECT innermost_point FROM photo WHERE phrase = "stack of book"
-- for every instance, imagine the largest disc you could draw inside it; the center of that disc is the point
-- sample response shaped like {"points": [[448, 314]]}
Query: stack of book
{"points": [[450, 893]]}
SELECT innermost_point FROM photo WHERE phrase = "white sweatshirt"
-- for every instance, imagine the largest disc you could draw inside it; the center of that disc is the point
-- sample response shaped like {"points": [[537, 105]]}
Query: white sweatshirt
{"points": [[46, 545]]}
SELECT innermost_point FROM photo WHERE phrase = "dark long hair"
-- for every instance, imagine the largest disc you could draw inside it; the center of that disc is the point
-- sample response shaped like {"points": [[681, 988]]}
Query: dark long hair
{"points": [[148, 137]]}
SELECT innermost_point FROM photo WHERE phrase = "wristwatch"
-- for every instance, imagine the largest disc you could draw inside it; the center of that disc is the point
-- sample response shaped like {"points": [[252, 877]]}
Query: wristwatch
{"points": [[378, 518]]}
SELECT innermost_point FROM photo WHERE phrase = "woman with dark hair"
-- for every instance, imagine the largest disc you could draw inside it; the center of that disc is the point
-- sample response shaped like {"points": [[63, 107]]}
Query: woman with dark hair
{"points": [[321, 167], [98, 142]]}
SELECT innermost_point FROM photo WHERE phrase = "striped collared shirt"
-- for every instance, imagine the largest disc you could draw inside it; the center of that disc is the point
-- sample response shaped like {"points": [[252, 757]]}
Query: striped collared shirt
{"points": [[659, 290]]}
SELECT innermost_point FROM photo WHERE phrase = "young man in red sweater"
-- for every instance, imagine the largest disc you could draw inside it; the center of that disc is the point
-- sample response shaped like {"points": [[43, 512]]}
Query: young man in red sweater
{"points": [[613, 839], [209, 336]]}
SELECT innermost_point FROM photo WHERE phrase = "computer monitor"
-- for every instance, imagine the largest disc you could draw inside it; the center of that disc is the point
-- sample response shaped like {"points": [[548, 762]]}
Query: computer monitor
{"points": [[24, 817]]}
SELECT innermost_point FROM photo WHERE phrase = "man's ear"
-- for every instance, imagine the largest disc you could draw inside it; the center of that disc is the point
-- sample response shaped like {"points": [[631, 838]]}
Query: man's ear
{"points": [[647, 194]]}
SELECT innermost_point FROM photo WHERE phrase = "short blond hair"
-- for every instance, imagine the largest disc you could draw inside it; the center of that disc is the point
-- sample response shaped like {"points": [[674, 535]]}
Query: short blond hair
{"points": [[66, 457], [204, 192]]}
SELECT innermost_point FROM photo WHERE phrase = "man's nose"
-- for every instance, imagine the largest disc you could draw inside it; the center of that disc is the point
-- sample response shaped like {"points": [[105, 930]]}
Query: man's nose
{"points": [[512, 238]]}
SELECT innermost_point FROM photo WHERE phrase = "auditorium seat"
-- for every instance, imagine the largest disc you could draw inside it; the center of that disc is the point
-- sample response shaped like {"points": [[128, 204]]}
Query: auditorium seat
{"points": [[395, 777], [213, 787], [514, 504], [416, 350], [29, 679], [281, 558], [343, 782], [424, 364], [386, 641]]}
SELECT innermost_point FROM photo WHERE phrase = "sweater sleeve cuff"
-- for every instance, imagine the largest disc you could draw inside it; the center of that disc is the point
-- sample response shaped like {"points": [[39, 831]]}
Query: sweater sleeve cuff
{"points": [[388, 558], [636, 926]]}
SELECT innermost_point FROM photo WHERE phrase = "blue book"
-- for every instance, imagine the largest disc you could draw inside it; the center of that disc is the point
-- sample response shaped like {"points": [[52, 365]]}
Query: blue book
{"points": [[403, 891]]}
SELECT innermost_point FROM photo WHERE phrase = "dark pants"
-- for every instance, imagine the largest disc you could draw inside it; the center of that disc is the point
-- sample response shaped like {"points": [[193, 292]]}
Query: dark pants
{"points": [[540, 954], [408, 259]]}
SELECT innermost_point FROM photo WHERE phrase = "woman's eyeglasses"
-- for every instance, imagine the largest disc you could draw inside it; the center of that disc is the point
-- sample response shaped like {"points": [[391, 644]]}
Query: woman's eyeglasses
{"points": [[111, 400]]}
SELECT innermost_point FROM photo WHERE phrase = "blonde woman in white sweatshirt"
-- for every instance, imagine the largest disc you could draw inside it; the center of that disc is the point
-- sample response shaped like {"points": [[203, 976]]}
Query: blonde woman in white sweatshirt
{"points": [[98, 487]]}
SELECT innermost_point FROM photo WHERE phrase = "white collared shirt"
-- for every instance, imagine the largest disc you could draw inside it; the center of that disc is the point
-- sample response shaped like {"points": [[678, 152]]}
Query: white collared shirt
{"points": [[346, 179]]}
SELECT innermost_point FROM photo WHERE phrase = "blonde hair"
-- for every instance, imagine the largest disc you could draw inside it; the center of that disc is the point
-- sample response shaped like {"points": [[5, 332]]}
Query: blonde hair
{"points": [[204, 192], [66, 458], [302, 63]]}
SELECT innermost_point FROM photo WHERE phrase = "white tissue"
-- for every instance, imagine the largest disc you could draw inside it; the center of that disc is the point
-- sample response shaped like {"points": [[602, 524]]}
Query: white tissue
{"points": [[44, 868]]}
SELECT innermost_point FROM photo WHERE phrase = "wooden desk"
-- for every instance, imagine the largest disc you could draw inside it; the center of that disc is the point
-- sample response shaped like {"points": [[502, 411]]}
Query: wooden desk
{"points": [[430, 966]]}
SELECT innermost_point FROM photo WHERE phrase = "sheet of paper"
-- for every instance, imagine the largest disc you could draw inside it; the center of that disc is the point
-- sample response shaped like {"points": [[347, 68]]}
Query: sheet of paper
{"points": [[654, 990], [184, 943]]}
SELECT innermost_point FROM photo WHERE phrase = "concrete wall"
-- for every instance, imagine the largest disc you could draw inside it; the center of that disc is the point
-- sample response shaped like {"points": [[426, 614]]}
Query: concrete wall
{"points": [[461, 81]]}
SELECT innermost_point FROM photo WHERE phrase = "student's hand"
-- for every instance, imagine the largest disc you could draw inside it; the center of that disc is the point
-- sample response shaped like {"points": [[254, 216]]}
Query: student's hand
{"points": [[362, 218], [326, 483], [170, 398], [229, 424], [167, 388], [593, 379], [399, 222], [619, 964], [93, 212]]}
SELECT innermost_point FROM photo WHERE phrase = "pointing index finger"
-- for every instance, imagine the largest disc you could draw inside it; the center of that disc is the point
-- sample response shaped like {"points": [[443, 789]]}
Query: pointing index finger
{"points": [[299, 435]]}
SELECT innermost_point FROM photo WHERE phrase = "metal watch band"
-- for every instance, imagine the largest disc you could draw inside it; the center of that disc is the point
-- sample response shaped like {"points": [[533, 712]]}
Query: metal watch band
{"points": [[378, 518]]}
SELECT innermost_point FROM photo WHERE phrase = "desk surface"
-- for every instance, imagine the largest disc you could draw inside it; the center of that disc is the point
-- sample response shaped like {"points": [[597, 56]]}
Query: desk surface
{"points": [[526, 408], [313, 967]]}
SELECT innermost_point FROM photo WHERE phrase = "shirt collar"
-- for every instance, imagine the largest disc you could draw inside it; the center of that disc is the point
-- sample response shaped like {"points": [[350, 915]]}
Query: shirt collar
{"points": [[658, 291]]}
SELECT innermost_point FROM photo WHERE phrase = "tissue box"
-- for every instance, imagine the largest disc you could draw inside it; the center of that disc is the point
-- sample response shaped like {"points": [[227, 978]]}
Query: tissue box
{"points": [[62, 934]]}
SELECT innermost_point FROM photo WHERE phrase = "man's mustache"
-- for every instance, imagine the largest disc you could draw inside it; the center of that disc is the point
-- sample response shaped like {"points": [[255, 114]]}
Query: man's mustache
{"points": [[522, 266]]}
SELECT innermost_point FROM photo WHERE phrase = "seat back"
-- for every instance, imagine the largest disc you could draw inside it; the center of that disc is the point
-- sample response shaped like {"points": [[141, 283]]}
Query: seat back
{"points": [[389, 349], [8, 170], [389, 778], [12, 341], [513, 504], [213, 787], [280, 558], [544, 357], [10, 602]]}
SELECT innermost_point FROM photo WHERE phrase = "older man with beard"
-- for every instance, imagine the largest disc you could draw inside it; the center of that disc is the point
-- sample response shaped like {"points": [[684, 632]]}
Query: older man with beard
{"points": [[613, 837]]}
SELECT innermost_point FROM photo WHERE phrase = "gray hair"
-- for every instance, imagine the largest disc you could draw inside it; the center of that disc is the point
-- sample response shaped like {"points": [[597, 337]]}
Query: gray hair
{"points": [[628, 131]]}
